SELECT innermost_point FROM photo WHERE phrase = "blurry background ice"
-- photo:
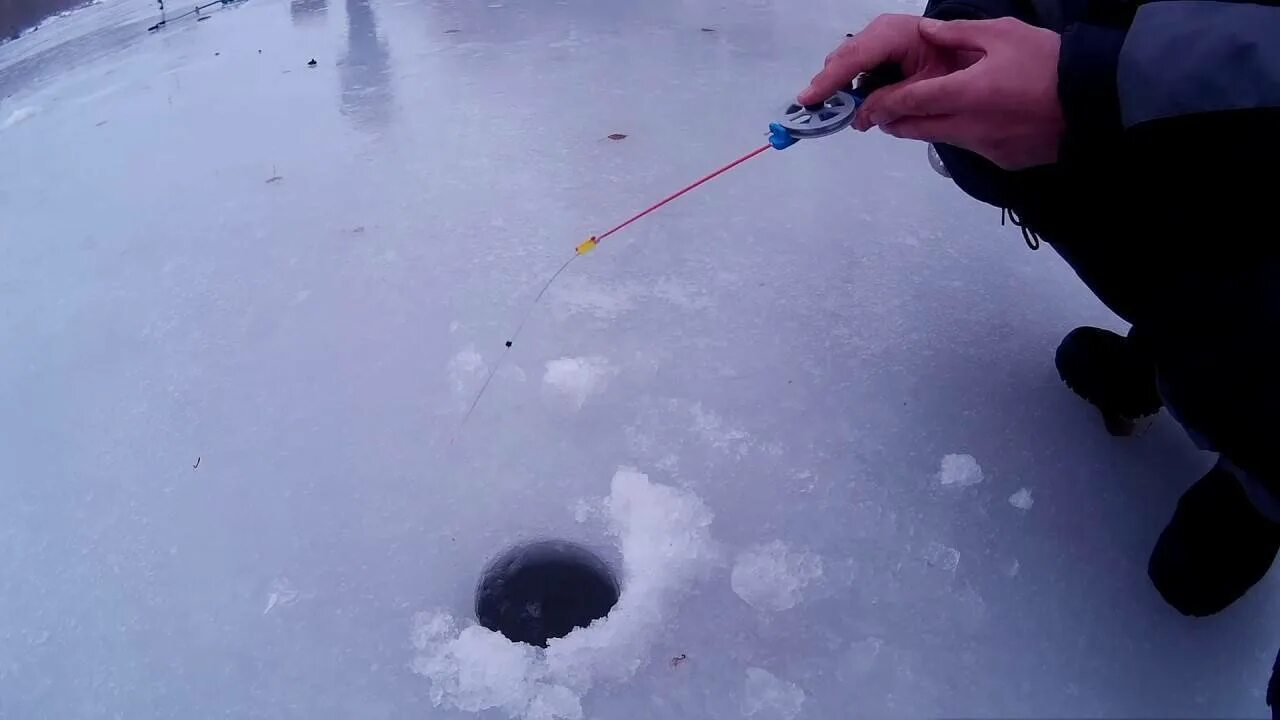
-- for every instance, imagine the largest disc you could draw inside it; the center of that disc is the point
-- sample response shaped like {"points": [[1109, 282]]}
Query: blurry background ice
{"points": [[246, 303]]}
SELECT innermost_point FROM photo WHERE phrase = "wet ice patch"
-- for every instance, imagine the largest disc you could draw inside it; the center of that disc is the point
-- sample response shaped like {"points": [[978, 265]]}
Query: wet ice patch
{"points": [[959, 471], [575, 379], [1022, 499], [772, 577], [768, 697], [664, 537]]}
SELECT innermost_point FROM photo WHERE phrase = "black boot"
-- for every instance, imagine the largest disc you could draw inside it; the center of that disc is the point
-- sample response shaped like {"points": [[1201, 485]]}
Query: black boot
{"points": [[1111, 372], [1215, 548]]}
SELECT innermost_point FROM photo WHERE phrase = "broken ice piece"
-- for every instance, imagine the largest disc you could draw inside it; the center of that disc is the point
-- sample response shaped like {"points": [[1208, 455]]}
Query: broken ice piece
{"points": [[1022, 499], [959, 470], [280, 593], [941, 556]]}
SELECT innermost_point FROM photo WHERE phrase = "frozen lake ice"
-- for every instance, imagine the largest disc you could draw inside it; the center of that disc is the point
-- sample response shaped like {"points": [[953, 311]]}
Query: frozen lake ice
{"points": [[803, 411]]}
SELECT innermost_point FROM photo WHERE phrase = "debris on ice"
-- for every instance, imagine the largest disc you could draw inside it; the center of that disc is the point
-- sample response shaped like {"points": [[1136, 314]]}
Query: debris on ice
{"points": [[959, 470], [577, 378], [941, 556], [280, 593], [770, 697], [1022, 499], [663, 534], [771, 577]]}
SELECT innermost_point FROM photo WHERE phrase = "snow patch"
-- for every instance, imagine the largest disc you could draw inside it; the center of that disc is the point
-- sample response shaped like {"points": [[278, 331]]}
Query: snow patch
{"points": [[664, 537], [770, 697], [577, 378], [771, 577], [959, 470], [1022, 499], [19, 115]]}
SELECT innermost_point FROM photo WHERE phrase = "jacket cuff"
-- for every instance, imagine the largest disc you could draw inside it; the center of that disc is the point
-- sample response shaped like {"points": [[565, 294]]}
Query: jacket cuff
{"points": [[1087, 89]]}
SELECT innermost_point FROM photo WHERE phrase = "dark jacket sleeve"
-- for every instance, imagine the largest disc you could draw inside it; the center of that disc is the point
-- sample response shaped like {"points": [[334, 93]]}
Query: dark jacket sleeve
{"points": [[1176, 64]]}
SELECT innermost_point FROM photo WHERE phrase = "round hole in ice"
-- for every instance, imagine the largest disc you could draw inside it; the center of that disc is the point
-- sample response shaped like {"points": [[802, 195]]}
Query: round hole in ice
{"points": [[543, 590]]}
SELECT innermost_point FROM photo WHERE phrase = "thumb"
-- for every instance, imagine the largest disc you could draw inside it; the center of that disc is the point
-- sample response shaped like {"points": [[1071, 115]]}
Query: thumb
{"points": [[963, 34]]}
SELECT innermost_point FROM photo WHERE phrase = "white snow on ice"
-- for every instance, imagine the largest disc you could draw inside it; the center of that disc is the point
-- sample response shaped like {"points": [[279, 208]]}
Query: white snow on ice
{"points": [[663, 534], [577, 378], [19, 115], [959, 470], [772, 577], [1022, 499], [768, 697]]}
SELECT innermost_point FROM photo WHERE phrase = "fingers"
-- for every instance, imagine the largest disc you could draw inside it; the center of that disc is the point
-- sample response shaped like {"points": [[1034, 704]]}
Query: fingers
{"points": [[887, 39], [938, 128], [965, 34], [931, 96]]}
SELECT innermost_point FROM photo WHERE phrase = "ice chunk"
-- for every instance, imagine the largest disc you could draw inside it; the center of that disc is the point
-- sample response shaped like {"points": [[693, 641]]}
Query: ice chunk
{"points": [[577, 378], [768, 696], [959, 470], [664, 537], [771, 577], [19, 115], [941, 556], [1022, 499]]}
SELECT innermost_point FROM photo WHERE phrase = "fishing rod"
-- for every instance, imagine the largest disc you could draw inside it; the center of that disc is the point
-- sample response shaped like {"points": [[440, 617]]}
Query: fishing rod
{"points": [[798, 122]]}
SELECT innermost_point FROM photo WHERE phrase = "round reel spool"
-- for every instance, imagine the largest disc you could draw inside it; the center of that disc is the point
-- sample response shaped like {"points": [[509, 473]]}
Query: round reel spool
{"points": [[819, 120]]}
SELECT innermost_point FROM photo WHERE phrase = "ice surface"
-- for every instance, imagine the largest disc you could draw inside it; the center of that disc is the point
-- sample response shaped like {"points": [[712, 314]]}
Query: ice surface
{"points": [[941, 556], [574, 379], [1022, 499], [959, 470], [767, 696], [664, 538], [796, 344], [772, 577]]}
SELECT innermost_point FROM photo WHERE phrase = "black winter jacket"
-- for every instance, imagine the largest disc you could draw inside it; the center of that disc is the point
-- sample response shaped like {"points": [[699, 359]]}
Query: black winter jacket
{"points": [[1165, 198]]}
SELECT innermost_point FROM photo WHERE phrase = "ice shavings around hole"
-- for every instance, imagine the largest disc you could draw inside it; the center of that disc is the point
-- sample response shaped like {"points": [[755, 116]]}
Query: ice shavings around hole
{"points": [[767, 696], [577, 378], [771, 577], [665, 542], [960, 471]]}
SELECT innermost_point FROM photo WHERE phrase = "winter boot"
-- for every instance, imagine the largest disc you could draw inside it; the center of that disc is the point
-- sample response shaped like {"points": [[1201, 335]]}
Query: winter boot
{"points": [[1112, 373]]}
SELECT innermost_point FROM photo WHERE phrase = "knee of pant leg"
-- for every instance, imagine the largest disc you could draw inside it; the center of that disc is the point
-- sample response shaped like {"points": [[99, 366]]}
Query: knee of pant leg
{"points": [[1182, 591]]}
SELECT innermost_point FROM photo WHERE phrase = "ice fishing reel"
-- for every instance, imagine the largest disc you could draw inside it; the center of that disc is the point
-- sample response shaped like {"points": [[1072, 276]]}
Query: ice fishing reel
{"points": [[821, 119], [802, 122]]}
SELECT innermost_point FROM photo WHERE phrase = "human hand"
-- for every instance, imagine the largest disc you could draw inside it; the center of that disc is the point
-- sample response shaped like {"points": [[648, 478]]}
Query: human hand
{"points": [[889, 39], [1004, 107]]}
